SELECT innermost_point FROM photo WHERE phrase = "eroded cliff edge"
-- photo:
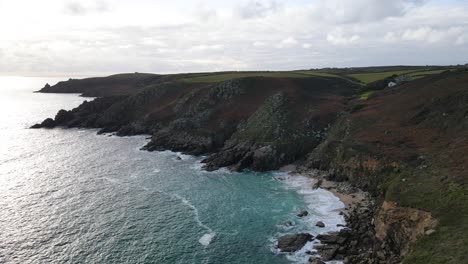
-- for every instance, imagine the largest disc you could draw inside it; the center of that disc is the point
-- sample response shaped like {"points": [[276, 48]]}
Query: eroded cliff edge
{"points": [[405, 145]]}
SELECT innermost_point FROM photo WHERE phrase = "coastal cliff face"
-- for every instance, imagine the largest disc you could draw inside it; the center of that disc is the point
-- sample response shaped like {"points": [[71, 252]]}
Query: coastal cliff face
{"points": [[257, 123], [405, 145]]}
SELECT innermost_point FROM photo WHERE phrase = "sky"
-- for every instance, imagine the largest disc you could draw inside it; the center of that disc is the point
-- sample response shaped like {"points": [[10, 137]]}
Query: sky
{"points": [[99, 37]]}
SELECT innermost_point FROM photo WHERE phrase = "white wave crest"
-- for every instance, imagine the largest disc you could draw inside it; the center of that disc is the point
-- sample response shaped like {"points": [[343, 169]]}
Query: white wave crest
{"points": [[206, 239]]}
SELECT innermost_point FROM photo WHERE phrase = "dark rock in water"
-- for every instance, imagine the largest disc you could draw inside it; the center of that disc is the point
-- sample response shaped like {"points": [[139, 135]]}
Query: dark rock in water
{"points": [[303, 213], [178, 158], [315, 260], [330, 238], [294, 242], [320, 224], [48, 123], [327, 252]]}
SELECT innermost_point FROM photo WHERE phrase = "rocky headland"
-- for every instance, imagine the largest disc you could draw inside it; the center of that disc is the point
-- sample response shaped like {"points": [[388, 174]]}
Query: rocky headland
{"points": [[404, 147]]}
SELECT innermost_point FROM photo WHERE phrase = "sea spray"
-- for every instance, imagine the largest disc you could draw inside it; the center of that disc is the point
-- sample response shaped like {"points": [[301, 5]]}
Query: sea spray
{"points": [[322, 205]]}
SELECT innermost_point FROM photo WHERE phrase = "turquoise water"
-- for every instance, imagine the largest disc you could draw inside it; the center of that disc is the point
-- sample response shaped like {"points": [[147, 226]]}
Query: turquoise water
{"points": [[71, 196]]}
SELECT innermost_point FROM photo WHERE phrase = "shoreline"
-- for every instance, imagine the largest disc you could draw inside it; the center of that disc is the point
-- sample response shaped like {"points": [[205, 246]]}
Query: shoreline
{"points": [[350, 196], [338, 245]]}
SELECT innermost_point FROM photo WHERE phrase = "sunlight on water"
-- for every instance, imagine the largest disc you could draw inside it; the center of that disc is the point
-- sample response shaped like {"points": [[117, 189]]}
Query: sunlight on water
{"points": [[72, 196]]}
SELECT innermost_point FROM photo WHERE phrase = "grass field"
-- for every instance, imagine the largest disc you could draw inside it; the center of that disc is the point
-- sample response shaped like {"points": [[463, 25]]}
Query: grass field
{"points": [[425, 73], [363, 78], [372, 77], [316, 73], [219, 77]]}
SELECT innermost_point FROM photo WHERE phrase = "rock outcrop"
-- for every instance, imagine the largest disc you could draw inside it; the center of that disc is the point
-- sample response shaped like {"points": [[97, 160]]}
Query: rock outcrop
{"points": [[250, 123], [294, 242]]}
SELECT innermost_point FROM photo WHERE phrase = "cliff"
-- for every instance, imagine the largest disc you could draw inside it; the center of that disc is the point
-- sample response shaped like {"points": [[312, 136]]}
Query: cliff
{"points": [[256, 122], [406, 145]]}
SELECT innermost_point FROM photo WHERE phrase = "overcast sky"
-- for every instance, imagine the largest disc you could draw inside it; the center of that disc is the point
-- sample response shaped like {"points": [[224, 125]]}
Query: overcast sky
{"points": [[95, 37]]}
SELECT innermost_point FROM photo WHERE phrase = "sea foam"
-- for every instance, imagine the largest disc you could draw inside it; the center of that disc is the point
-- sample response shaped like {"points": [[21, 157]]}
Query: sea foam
{"points": [[206, 239], [321, 204]]}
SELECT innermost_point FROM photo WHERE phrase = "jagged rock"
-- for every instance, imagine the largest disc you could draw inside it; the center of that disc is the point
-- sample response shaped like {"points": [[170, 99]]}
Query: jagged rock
{"points": [[303, 213], [329, 238], [320, 224], [294, 242], [315, 260], [327, 252], [63, 116], [318, 184], [48, 123]]}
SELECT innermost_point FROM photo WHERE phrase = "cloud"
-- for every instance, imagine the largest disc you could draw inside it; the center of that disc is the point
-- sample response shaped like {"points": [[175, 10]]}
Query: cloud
{"points": [[257, 9], [205, 13], [359, 11], [183, 36], [288, 43], [429, 35], [258, 44], [85, 7], [213, 47], [150, 41], [338, 37]]}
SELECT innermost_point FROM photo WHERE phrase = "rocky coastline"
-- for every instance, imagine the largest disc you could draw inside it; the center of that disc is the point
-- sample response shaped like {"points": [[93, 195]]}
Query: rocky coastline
{"points": [[387, 158]]}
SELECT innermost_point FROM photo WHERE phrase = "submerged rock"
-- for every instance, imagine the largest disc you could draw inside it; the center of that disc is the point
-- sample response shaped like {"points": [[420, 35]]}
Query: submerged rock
{"points": [[293, 242], [327, 252], [320, 224], [303, 213], [315, 260]]}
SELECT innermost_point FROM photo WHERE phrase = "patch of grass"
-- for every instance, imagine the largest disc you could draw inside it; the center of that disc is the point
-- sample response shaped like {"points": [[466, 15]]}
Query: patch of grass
{"points": [[425, 73], [375, 76], [372, 77], [317, 73], [219, 77], [366, 95], [433, 191]]}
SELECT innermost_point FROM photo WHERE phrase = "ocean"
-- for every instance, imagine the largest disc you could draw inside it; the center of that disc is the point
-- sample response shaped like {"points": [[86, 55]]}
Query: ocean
{"points": [[72, 196]]}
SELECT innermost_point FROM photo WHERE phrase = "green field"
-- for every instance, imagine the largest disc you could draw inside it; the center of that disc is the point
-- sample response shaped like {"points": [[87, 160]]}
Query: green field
{"points": [[316, 73], [362, 77], [375, 76], [425, 73], [219, 77], [372, 77]]}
